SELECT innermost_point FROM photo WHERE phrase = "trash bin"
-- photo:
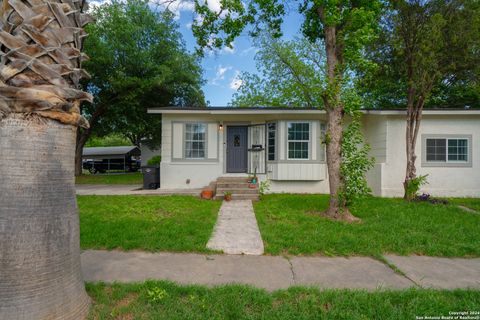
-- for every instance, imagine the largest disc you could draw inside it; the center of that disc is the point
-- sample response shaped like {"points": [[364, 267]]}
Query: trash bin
{"points": [[151, 177]]}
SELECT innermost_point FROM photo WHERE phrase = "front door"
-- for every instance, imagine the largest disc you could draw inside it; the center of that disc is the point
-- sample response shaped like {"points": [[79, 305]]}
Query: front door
{"points": [[237, 149]]}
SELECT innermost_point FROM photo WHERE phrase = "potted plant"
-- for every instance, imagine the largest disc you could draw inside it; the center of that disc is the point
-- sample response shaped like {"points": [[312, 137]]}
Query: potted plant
{"points": [[207, 193], [227, 196], [252, 182]]}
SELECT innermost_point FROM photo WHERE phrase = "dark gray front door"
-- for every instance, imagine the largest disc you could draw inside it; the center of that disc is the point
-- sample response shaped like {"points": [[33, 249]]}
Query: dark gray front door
{"points": [[236, 149]]}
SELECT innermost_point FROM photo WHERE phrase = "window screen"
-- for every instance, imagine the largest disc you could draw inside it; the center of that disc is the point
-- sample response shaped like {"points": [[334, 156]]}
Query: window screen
{"points": [[447, 150], [298, 140], [195, 140]]}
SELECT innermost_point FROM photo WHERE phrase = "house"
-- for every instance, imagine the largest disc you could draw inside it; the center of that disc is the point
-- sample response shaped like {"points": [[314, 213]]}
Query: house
{"points": [[200, 145]]}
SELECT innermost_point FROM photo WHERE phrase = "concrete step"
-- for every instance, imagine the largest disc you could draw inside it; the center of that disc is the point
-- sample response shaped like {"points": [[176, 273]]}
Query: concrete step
{"points": [[232, 179], [232, 185], [237, 190], [254, 197]]}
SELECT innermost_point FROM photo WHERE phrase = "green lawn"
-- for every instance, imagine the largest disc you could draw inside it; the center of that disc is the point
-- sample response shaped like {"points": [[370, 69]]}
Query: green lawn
{"points": [[472, 203], [117, 178], [133, 301], [171, 223], [288, 226]]}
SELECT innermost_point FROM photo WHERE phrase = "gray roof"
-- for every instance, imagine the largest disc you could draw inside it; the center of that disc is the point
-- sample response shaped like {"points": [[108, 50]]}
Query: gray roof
{"points": [[110, 151]]}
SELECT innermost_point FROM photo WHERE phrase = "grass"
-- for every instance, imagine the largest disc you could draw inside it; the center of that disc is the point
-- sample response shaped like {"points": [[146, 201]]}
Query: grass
{"points": [[121, 178], [472, 203], [170, 301], [171, 223], [388, 226]]}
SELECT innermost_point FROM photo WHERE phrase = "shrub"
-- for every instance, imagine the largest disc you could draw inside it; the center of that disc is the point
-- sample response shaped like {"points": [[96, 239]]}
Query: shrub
{"points": [[414, 185], [264, 187], [154, 161]]}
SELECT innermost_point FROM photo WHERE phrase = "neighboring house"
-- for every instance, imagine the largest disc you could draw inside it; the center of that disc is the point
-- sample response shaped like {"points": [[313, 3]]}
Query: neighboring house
{"points": [[285, 146]]}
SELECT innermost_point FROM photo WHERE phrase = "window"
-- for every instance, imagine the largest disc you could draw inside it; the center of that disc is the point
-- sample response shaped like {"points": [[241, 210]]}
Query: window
{"points": [[298, 140], [271, 135], [436, 149], [447, 151], [195, 140], [457, 150]]}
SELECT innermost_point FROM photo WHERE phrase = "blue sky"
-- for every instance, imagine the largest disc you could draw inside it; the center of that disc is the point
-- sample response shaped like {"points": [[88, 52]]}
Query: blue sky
{"points": [[222, 67]]}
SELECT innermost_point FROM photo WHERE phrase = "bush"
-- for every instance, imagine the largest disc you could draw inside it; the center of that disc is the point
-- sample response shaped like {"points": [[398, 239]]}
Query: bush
{"points": [[414, 185], [154, 161]]}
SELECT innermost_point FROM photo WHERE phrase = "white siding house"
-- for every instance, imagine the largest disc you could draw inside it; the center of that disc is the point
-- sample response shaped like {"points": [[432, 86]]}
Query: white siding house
{"points": [[285, 146]]}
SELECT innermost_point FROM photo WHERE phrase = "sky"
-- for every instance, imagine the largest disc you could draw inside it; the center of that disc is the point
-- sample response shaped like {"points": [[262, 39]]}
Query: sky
{"points": [[222, 67]]}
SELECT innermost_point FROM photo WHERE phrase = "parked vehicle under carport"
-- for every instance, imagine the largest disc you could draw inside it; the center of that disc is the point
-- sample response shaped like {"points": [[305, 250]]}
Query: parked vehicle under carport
{"points": [[104, 159]]}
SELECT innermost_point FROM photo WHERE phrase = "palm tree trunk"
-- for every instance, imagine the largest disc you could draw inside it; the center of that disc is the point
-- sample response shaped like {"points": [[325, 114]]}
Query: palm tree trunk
{"points": [[39, 225]]}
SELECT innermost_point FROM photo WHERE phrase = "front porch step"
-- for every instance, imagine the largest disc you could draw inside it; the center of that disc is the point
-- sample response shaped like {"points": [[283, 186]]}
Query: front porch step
{"points": [[232, 180], [253, 197], [221, 190], [232, 185], [238, 187]]}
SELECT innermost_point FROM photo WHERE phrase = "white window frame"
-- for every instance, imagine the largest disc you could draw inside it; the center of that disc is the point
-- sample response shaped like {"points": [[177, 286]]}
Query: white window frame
{"points": [[309, 141], [275, 141], [447, 163], [185, 141]]}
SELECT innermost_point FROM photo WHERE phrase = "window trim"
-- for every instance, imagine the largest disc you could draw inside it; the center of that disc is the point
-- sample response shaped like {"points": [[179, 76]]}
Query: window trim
{"points": [[205, 147], [275, 145], [309, 141], [447, 163]]}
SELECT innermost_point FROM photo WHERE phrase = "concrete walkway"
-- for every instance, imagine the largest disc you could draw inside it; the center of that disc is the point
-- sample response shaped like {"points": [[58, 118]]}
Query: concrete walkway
{"points": [[275, 272], [128, 189], [236, 230]]}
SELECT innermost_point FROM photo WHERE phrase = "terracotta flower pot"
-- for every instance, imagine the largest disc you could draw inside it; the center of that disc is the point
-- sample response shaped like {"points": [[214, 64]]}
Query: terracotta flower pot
{"points": [[207, 194], [227, 197]]}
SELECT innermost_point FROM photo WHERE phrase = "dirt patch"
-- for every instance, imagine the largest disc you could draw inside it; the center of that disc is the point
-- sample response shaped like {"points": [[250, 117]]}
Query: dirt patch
{"points": [[345, 217], [125, 302]]}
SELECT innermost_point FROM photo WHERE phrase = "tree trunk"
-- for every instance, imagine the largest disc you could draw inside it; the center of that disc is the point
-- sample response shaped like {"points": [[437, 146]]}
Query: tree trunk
{"points": [[335, 132], [39, 223], [414, 118], [82, 137], [334, 106]]}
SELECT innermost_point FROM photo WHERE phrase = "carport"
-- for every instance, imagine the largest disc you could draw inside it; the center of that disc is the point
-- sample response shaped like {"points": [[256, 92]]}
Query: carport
{"points": [[111, 155]]}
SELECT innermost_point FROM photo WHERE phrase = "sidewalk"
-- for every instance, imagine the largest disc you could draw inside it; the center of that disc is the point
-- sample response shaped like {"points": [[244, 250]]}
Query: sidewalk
{"points": [[275, 272], [128, 189]]}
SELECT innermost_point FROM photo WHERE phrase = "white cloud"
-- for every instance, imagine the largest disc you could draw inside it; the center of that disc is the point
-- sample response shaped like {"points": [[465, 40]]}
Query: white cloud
{"points": [[176, 6], [228, 49], [220, 74], [214, 5], [236, 82], [248, 50], [96, 3], [225, 50]]}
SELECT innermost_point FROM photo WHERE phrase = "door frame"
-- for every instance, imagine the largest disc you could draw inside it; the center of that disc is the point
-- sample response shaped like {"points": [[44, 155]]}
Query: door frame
{"points": [[236, 124]]}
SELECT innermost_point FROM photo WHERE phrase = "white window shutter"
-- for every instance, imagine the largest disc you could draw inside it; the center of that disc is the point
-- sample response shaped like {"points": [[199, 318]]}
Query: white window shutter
{"points": [[212, 143], [177, 140]]}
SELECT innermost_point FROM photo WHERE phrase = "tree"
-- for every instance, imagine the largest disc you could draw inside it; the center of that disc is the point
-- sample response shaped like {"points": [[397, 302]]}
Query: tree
{"points": [[41, 43], [290, 77], [343, 26], [291, 74], [427, 56], [138, 61]]}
